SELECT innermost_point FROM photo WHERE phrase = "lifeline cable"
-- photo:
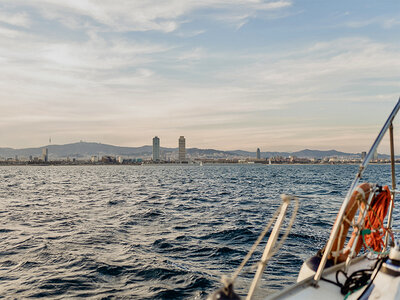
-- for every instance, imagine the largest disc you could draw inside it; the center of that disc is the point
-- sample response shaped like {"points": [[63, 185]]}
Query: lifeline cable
{"points": [[262, 235]]}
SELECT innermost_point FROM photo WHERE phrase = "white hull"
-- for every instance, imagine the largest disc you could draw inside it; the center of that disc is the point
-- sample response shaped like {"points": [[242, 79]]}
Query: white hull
{"points": [[385, 286]]}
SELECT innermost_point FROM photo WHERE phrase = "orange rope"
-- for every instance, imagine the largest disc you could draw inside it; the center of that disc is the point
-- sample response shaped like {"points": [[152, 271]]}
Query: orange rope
{"points": [[375, 217]]}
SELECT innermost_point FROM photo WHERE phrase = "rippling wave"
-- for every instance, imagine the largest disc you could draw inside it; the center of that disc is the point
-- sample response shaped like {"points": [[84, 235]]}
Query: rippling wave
{"points": [[156, 232]]}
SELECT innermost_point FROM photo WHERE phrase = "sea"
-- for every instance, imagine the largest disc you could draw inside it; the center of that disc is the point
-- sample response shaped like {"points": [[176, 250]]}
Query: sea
{"points": [[159, 231]]}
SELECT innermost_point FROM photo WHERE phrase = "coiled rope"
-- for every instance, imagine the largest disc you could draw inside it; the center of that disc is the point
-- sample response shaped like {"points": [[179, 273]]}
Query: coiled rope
{"points": [[372, 236]]}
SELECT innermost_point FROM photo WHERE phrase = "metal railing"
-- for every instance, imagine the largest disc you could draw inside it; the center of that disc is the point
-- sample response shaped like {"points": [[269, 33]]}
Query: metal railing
{"points": [[368, 157]]}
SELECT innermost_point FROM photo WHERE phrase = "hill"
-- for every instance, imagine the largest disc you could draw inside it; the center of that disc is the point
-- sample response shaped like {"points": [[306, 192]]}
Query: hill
{"points": [[87, 149]]}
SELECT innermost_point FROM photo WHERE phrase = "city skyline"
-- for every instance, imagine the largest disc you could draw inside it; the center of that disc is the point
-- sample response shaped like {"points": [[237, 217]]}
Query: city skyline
{"points": [[97, 153], [156, 142], [281, 75], [247, 149]]}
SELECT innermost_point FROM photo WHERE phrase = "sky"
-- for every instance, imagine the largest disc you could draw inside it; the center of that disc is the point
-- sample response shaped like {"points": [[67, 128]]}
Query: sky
{"points": [[281, 75]]}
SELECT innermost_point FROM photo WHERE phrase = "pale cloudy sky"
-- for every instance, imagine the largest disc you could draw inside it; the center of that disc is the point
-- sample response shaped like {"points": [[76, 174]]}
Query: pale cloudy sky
{"points": [[227, 74]]}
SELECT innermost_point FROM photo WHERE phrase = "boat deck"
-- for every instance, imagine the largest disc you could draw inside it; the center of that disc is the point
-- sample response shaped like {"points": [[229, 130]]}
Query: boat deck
{"points": [[325, 290]]}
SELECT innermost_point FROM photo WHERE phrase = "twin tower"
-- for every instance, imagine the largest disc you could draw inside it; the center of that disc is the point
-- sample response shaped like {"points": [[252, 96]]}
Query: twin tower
{"points": [[181, 151]]}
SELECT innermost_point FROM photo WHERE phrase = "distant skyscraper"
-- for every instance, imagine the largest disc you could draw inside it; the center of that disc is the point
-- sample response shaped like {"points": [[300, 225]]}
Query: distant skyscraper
{"points": [[258, 153], [45, 154], [182, 149], [363, 155], [375, 155], [156, 149]]}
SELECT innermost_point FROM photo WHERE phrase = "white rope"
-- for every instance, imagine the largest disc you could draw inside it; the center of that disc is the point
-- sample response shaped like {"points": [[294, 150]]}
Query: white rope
{"points": [[261, 237]]}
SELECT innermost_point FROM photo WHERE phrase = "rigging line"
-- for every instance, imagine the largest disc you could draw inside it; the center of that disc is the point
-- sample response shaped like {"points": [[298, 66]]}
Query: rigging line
{"points": [[262, 235], [285, 235], [271, 248], [291, 222], [256, 243]]}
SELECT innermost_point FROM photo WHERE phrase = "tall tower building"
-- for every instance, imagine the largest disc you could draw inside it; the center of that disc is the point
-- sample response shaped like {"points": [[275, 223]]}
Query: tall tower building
{"points": [[363, 155], [45, 154], [182, 149], [258, 153], [156, 149], [375, 156]]}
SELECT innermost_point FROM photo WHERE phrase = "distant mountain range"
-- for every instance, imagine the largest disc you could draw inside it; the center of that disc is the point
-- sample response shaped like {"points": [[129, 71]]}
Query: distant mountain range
{"points": [[306, 153], [85, 149]]}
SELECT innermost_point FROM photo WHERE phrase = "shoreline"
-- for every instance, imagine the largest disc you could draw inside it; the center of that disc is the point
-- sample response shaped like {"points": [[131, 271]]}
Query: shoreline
{"points": [[56, 164]]}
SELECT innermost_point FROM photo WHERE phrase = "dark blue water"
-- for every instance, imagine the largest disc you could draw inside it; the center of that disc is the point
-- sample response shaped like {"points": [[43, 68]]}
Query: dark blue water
{"points": [[156, 232]]}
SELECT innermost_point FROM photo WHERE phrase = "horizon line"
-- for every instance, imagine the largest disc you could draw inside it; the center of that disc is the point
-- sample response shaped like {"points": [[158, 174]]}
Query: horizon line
{"points": [[279, 151]]}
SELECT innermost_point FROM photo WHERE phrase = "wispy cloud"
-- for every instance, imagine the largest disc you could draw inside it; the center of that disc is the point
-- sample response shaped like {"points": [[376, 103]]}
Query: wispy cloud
{"points": [[118, 83], [16, 19], [123, 73], [386, 22], [143, 15], [324, 66]]}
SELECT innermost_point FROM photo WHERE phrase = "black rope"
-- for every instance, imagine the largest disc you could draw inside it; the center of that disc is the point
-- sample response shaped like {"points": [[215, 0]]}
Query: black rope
{"points": [[377, 265], [356, 280]]}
